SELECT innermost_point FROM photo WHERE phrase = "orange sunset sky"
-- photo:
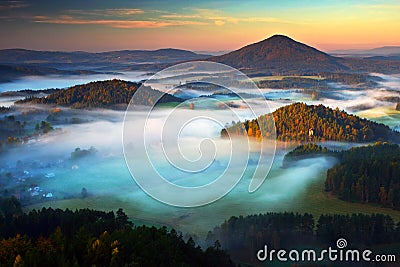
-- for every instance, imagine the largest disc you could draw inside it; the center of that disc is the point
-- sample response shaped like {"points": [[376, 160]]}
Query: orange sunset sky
{"points": [[195, 25]]}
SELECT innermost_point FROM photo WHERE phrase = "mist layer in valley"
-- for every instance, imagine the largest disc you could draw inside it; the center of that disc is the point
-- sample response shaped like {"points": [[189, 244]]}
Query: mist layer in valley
{"points": [[64, 81], [52, 172], [48, 165]]}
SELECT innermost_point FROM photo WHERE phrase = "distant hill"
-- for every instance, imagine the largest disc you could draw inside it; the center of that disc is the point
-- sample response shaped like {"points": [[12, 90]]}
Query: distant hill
{"points": [[385, 50], [213, 53], [113, 94], [276, 55], [379, 51], [303, 122], [129, 57], [281, 55], [11, 72], [390, 57]]}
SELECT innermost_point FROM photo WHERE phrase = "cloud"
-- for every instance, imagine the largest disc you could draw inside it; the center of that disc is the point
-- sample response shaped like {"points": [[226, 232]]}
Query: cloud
{"points": [[122, 24], [118, 18], [107, 12], [13, 5], [265, 19], [219, 19], [219, 22], [180, 16]]}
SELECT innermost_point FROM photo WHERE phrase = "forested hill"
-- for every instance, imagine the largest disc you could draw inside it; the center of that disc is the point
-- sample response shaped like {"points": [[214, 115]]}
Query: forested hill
{"points": [[368, 174], [167, 55], [303, 122], [11, 72], [281, 55], [114, 94]]}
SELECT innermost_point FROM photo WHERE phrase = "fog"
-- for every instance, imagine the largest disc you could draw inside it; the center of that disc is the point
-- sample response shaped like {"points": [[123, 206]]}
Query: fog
{"points": [[64, 81], [108, 181], [371, 103], [389, 81], [8, 101], [47, 163]]}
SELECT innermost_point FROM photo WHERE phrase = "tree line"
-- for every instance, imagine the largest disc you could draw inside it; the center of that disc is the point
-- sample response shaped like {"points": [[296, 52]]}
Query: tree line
{"points": [[307, 150], [294, 82], [243, 236], [54, 237], [115, 94], [15, 131], [367, 174]]}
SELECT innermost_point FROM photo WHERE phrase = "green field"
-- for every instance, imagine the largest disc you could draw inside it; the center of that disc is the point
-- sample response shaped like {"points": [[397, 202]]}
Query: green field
{"points": [[168, 105], [386, 115], [313, 200], [317, 202]]}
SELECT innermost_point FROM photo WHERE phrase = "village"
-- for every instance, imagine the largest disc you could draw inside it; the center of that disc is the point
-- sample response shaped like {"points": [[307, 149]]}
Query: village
{"points": [[26, 180]]}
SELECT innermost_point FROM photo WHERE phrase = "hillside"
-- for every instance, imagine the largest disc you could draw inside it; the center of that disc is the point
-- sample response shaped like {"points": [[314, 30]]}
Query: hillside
{"points": [[114, 94], [11, 72], [369, 174], [281, 55], [294, 122]]}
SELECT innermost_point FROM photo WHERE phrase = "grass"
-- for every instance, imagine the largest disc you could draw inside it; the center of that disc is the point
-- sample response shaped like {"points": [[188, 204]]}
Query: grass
{"points": [[386, 115], [379, 112], [167, 105], [317, 202]]}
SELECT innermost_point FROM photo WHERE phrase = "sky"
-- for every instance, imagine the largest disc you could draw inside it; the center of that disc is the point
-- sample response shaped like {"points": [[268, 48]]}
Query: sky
{"points": [[104, 25]]}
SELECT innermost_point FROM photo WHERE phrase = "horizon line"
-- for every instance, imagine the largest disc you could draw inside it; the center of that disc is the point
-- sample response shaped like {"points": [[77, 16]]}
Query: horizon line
{"points": [[361, 47]]}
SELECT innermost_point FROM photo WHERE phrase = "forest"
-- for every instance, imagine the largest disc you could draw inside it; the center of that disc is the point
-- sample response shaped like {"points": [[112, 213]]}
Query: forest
{"points": [[85, 237], [307, 150], [322, 82], [243, 236], [302, 122], [4, 109], [350, 78], [28, 92], [293, 82], [367, 174], [15, 131], [114, 94]]}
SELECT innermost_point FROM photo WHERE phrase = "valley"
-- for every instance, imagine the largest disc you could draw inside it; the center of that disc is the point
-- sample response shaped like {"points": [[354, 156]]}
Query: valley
{"points": [[62, 141]]}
